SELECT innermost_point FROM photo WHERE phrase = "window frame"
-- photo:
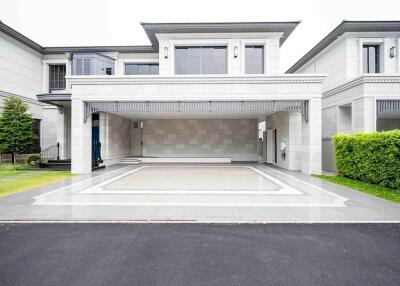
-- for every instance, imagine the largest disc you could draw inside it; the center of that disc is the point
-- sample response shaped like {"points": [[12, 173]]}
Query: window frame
{"points": [[378, 50], [382, 53], [58, 80], [200, 46], [144, 64], [262, 46]]}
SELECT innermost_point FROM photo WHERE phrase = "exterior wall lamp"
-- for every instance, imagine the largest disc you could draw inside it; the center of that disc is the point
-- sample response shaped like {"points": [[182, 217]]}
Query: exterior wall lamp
{"points": [[166, 52], [235, 52], [393, 52]]}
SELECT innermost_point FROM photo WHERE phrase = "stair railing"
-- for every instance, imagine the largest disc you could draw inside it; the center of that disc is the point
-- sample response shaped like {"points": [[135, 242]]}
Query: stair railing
{"points": [[51, 152]]}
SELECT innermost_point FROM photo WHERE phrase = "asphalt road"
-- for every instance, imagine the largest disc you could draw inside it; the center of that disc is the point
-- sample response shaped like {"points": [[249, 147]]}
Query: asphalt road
{"points": [[198, 254]]}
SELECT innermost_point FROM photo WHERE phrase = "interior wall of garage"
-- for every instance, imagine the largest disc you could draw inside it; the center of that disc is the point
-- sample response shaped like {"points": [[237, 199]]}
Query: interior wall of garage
{"points": [[115, 137], [288, 126], [387, 124], [234, 138]]}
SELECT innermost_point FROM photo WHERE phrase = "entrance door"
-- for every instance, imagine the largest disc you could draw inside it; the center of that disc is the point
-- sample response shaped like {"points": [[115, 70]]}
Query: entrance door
{"points": [[275, 142], [96, 145], [137, 139]]}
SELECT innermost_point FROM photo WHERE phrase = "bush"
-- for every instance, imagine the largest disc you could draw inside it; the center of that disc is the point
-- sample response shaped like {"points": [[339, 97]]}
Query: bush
{"points": [[372, 157], [12, 167], [33, 160]]}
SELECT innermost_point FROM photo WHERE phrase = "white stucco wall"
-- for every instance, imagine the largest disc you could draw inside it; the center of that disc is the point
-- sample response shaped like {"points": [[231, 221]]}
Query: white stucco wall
{"points": [[235, 66], [49, 126], [331, 61], [235, 138], [20, 68]]}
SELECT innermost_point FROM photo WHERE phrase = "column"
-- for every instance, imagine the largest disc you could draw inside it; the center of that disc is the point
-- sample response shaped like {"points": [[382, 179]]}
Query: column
{"points": [[364, 116], [81, 133], [312, 139], [61, 131]]}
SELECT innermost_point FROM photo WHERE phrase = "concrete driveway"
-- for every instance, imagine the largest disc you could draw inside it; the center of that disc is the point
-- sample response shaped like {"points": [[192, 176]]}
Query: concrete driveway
{"points": [[199, 254], [197, 193]]}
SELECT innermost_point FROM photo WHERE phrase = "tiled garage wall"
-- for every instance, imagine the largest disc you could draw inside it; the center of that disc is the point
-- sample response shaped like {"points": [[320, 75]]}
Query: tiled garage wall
{"points": [[115, 137], [235, 138]]}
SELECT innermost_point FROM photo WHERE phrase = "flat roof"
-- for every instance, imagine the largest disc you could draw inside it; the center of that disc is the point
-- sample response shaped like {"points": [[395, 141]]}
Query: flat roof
{"points": [[344, 27], [152, 29]]}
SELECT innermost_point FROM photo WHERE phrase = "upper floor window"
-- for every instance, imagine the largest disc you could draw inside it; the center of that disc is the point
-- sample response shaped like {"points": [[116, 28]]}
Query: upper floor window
{"points": [[141, 69], [56, 77], [254, 59], [371, 59], [82, 67], [201, 60]]}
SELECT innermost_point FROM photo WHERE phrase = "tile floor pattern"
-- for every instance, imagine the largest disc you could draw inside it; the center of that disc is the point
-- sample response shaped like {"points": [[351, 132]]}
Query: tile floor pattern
{"points": [[197, 193]]}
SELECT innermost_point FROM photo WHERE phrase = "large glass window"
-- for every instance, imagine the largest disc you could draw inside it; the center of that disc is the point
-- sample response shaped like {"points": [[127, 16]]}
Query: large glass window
{"points": [[371, 61], [56, 77], [254, 58], [141, 69], [201, 60]]}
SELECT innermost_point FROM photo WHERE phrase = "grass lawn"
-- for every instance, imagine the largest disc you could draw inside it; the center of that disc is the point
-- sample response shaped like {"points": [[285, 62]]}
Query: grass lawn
{"points": [[13, 179], [376, 190]]}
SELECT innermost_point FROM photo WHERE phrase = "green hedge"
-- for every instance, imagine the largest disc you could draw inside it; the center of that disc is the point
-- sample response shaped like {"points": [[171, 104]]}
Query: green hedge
{"points": [[372, 157]]}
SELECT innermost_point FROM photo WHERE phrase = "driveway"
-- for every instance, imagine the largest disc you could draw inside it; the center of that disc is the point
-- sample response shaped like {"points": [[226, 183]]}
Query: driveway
{"points": [[199, 254], [218, 193]]}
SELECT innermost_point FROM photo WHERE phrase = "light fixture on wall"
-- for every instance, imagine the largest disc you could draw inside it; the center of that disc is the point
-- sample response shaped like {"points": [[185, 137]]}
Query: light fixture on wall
{"points": [[166, 52], [235, 52], [393, 52]]}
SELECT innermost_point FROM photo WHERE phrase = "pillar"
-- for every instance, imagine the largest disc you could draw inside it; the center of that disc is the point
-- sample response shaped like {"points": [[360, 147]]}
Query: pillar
{"points": [[81, 139]]}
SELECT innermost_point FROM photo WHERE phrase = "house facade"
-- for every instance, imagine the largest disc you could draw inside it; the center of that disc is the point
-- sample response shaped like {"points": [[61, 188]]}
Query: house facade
{"points": [[362, 90], [196, 94]]}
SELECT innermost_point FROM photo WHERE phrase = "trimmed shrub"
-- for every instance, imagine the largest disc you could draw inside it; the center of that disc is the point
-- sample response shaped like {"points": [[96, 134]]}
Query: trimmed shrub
{"points": [[33, 160], [372, 157]]}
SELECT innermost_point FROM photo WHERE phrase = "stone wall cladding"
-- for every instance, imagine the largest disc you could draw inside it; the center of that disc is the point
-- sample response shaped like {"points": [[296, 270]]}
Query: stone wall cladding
{"points": [[119, 141], [235, 138]]}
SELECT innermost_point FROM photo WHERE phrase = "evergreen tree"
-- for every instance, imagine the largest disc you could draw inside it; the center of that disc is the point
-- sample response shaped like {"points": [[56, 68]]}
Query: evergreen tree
{"points": [[16, 132]]}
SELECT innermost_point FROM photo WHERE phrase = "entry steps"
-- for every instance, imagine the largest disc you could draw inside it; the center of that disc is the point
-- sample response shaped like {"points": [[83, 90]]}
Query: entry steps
{"points": [[139, 160]]}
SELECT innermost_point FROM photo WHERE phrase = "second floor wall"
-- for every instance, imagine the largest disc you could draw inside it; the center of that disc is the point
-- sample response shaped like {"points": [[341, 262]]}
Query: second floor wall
{"points": [[354, 54], [20, 68]]}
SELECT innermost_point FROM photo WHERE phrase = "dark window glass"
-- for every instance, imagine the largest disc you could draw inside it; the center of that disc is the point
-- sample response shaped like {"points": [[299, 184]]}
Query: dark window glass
{"points": [[141, 69], [35, 147], [371, 62], [200, 60], [108, 71], [56, 77], [254, 59]]}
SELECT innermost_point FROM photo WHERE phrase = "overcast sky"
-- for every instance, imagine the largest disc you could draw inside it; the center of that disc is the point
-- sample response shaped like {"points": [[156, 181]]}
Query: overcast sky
{"points": [[117, 22]]}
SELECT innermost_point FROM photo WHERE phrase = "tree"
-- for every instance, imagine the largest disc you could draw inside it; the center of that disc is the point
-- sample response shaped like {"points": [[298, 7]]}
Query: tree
{"points": [[16, 132]]}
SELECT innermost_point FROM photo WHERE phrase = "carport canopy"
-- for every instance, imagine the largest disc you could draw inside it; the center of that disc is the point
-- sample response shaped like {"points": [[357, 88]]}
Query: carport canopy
{"points": [[196, 106]]}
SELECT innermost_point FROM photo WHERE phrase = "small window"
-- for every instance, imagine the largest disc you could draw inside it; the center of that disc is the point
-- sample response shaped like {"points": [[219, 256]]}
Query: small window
{"points": [[108, 71], [371, 59], [141, 69], [254, 59], [56, 77]]}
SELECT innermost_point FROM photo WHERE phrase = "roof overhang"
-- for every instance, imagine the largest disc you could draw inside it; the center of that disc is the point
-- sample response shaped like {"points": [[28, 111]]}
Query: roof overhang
{"points": [[19, 37], [152, 29], [58, 99], [345, 27]]}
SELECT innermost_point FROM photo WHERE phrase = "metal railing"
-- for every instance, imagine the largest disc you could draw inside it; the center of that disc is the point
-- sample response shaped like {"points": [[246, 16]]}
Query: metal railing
{"points": [[51, 152]]}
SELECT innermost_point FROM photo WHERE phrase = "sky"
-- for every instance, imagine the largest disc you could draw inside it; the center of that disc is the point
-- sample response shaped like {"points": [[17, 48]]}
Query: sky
{"points": [[117, 22]]}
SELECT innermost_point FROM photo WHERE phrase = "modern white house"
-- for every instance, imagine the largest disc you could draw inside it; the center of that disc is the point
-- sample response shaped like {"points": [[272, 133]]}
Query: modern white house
{"points": [[196, 94], [362, 90]]}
